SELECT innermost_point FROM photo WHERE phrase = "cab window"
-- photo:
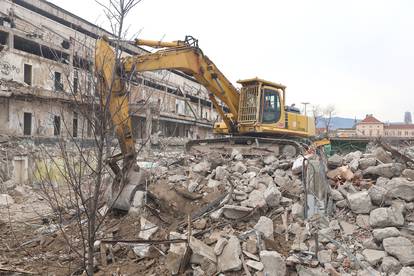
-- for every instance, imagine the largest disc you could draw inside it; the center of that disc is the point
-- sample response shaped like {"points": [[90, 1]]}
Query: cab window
{"points": [[271, 106]]}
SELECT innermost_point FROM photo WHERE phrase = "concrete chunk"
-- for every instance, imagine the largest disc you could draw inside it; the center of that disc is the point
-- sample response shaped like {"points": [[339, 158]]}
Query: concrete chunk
{"points": [[235, 212], [390, 265], [383, 233], [255, 265], [201, 251], [229, 260], [272, 195], [265, 226], [360, 202], [401, 248], [384, 217], [273, 263], [373, 256]]}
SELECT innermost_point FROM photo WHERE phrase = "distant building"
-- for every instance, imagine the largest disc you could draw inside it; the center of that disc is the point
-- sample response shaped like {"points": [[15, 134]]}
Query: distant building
{"points": [[370, 127], [399, 130]]}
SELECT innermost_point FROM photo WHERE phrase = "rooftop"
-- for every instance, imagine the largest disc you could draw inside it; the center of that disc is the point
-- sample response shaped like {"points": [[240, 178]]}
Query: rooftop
{"points": [[399, 126], [370, 119]]}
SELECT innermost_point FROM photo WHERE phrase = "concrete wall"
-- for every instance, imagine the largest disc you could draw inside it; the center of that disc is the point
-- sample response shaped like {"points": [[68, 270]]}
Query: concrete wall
{"points": [[44, 31], [43, 113]]}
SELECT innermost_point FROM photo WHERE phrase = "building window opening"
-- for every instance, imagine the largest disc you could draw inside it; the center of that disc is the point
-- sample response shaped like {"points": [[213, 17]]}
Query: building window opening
{"points": [[75, 125], [58, 82], [4, 37], [56, 126], [35, 48], [75, 82], [28, 74], [27, 124], [89, 129]]}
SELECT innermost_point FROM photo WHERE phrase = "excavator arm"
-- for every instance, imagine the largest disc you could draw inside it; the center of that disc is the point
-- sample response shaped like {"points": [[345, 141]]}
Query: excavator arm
{"points": [[179, 55], [113, 93]]}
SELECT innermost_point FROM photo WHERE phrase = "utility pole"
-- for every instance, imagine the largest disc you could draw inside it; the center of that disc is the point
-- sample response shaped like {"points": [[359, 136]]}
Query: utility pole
{"points": [[305, 104]]}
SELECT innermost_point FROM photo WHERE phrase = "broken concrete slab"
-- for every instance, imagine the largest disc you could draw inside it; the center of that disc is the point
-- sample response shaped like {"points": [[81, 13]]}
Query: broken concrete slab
{"points": [[390, 265], [258, 266], [406, 271], [400, 187], [202, 167], [385, 217], [265, 226], [175, 254], [326, 234], [229, 259], [343, 172], [382, 155], [365, 163], [383, 233], [401, 248], [379, 195], [335, 161], [272, 195], [309, 271], [273, 263], [218, 248], [360, 202], [373, 256], [298, 212], [363, 221], [324, 256], [348, 228], [336, 195], [176, 178], [408, 173], [201, 251], [256, 199], [384, 170], [147, 228]]}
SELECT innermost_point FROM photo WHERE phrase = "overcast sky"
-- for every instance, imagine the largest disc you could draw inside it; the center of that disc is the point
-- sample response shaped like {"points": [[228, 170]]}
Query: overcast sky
{"points": [[357, 55]]}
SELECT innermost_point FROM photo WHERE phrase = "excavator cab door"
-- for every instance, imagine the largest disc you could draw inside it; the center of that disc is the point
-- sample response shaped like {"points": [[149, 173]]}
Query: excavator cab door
{"points": [[271, 106]]}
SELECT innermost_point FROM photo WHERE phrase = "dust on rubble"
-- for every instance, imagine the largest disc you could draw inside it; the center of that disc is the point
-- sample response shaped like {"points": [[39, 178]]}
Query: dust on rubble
{"points": [[249, 216]]}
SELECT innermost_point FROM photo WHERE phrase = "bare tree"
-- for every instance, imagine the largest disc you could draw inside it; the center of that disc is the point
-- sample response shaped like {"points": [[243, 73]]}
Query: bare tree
{"points": [[328, 112], [317, 113], [80, 169]]}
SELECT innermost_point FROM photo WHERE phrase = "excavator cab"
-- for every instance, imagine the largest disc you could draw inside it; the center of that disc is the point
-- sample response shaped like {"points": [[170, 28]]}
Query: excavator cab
{"points": [[262, 112], [261, 104]]}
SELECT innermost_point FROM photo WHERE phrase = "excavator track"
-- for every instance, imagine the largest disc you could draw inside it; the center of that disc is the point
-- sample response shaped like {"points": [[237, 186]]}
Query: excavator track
{"points": [[247, 146]]}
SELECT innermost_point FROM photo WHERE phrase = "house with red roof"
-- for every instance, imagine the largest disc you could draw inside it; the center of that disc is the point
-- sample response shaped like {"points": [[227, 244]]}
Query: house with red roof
{"points": [[370, 126]]}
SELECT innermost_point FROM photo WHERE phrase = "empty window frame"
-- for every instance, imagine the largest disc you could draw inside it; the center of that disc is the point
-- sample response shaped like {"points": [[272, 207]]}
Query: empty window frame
{"points": [[27, 123], [58, 82], [27, 74], [75, 125], [75, 82], [56, 125]]}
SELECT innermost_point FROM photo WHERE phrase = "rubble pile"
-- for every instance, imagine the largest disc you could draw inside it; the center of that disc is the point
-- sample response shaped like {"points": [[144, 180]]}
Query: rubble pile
{"points": [[265, 231], [229, 214]]}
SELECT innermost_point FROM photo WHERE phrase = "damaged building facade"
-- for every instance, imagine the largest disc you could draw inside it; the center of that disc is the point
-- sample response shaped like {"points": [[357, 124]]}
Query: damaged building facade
{"points": [[46, 58]]}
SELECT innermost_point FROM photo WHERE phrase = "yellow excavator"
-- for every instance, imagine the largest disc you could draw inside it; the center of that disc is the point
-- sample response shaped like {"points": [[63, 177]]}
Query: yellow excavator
{"points": [[255, 115]]}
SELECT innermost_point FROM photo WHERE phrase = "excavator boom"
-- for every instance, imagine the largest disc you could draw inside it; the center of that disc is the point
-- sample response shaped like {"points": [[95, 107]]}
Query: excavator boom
{"points": [[192, 61]]}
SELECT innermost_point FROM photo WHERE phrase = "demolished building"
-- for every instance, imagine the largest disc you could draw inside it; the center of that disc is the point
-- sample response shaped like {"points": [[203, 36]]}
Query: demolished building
{"points": [[46, 57]]}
